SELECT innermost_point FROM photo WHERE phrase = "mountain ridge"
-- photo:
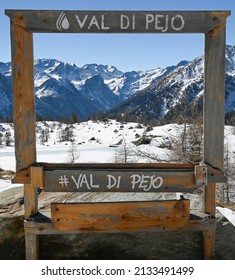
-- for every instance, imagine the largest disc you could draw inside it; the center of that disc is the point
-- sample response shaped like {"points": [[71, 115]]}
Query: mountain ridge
{"points": [[63, 89], [176, 92]]}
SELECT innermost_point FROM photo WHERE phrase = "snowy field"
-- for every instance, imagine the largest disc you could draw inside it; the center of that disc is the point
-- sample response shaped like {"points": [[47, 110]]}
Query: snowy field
{"points": [[98, 142], [95, 141]]}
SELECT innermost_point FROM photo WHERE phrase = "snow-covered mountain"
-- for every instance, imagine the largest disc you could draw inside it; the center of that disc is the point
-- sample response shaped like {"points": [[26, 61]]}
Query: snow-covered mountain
{"points": [[173, 94], [5, 96], [63, 89]]}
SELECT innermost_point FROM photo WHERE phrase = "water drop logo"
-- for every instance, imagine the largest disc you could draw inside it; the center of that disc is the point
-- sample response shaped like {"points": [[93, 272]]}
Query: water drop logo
{"points": [[62, 22]]}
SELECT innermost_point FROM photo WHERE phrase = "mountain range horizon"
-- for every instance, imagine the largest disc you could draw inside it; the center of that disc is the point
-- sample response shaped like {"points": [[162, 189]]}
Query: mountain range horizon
{"points": [[63, 90]]}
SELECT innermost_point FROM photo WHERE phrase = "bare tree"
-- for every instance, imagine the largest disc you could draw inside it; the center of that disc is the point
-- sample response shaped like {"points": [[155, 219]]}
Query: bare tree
{"points": [[146, 155], [187, 144], [226, 189], [44, 136], [66, 134], [1, 138], [73, 153], [8, 138], [123, 153]]}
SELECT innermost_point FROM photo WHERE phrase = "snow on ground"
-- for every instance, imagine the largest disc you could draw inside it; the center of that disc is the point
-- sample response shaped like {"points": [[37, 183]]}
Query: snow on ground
{"points": [[6, 184], [229, 214], [95, 141], [7, 158], [99, 141]]}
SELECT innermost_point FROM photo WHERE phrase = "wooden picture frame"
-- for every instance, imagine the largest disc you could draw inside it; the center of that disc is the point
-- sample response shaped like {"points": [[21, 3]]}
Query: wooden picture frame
{"points": [[34, 174]]}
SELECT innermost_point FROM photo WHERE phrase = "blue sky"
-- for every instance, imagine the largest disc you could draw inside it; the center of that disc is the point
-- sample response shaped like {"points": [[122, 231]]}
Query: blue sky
{"points": [[126, 52]]}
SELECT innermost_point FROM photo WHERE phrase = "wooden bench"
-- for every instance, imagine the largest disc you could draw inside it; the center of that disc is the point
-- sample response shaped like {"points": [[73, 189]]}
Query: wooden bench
{"points": [[131, 216]]}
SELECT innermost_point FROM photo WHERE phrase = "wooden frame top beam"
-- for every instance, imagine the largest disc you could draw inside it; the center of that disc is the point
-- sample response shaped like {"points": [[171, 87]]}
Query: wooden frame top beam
{"points": [[81, 21]]}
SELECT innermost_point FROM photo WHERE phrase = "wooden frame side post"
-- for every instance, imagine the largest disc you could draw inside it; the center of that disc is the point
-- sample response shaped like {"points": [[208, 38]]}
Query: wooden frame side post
{"points": [[214, 98], [24, 120], [209, 236], [23, 96], [31, 209], [213, 120]]}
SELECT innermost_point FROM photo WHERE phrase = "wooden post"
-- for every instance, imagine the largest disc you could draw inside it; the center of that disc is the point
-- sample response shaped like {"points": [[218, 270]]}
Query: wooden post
{"points": [[213, 119], [209, 243], [23, 96], [31, 209], [210, 193], [30, 201], [214, 97], [31, 246], [24, 120], [209, 208]]}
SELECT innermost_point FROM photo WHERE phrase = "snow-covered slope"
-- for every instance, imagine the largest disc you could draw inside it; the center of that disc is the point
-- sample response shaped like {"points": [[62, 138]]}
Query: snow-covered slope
{"points": [[173, 94], [5, 96]]}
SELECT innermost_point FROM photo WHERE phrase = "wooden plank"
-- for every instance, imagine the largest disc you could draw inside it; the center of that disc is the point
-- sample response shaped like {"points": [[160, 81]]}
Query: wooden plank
{"points": [[110, 166], [119, 180], [35, 226], [214, 175], [214, 98], [118, 21], [122, 216], [23, 97], [119, 177]]}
